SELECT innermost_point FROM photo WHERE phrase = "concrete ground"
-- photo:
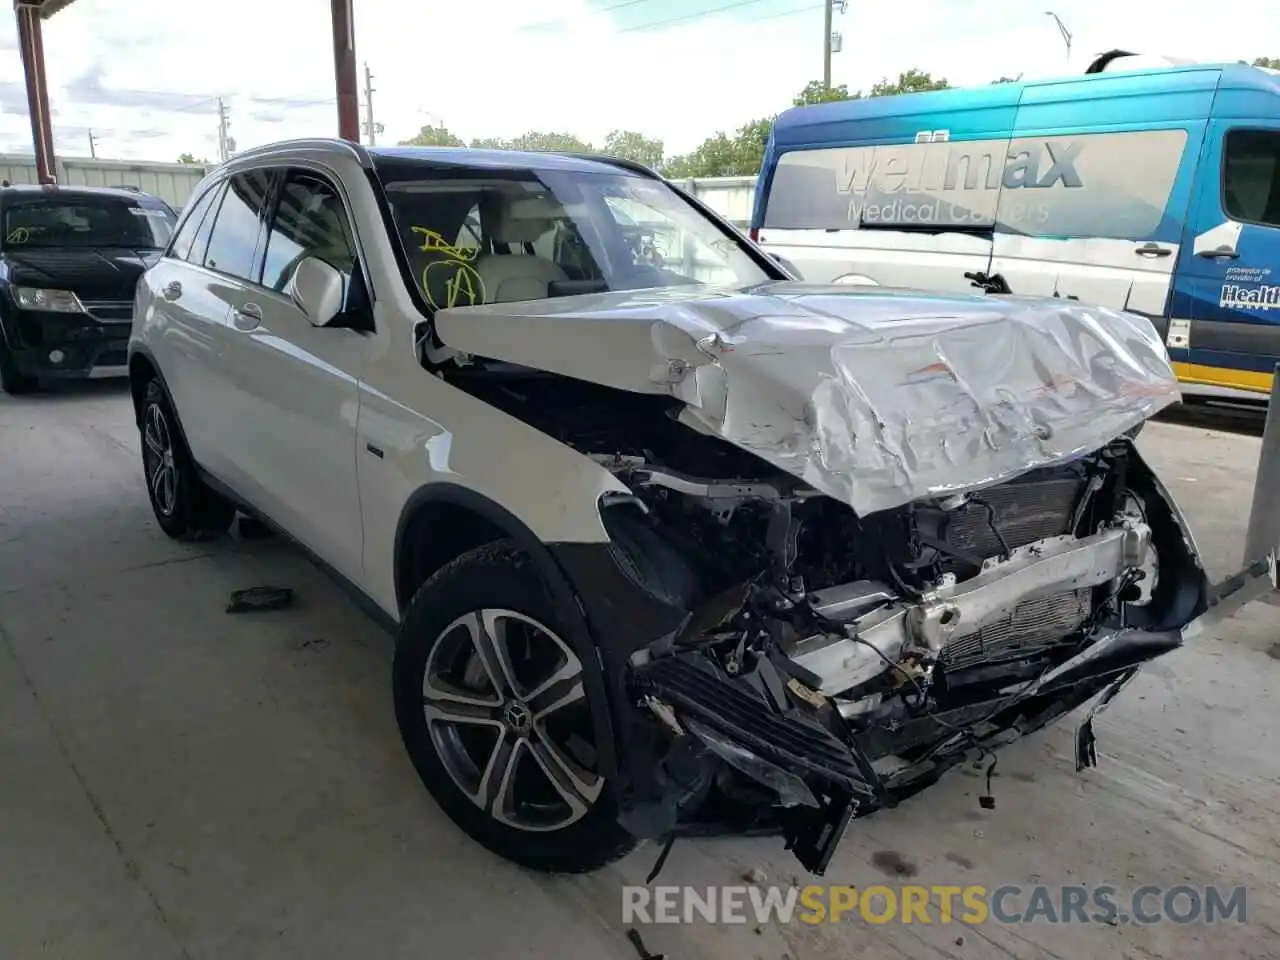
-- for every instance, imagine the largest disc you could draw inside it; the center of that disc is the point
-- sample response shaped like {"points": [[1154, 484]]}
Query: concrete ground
{"points": [[176, 782]]}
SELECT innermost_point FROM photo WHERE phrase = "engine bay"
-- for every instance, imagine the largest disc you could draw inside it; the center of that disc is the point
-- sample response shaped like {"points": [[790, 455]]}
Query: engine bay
{"points": [[830, 664]]}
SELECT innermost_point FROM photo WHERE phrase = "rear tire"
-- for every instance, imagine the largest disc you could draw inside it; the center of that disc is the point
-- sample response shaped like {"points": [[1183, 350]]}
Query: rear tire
{"points": [[11, 381], [493, 713], [183, 504]]}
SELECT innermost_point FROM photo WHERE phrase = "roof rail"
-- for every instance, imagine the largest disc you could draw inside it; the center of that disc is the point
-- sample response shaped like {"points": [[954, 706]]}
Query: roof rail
{"points": [[625, 164], [267, 149]]}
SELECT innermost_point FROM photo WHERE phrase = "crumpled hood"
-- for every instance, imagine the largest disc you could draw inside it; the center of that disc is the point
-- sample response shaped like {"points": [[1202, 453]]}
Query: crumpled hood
{"points": [[872, 395]]}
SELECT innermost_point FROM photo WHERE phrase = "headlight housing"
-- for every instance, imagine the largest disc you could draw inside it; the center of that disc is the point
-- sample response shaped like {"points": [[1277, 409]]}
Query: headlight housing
{"points": [[55, 301]]}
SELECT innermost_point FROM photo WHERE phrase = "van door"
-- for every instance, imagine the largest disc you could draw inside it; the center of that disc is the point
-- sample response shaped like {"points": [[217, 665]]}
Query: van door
{"points": [[1229, 271], [1097, 216]]}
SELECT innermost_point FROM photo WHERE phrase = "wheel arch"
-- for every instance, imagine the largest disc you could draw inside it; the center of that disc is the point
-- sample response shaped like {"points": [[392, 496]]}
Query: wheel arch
{"points": [[441, 521]]}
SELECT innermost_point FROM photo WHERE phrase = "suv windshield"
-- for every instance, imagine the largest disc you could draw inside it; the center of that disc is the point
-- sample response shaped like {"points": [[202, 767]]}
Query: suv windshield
{"points": [[86, 221], [498, 235]]}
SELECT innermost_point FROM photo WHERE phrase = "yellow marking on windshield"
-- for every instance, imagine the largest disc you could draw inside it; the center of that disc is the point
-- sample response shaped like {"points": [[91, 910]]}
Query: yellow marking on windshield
{"points": [[463, 288], [432, 242]]}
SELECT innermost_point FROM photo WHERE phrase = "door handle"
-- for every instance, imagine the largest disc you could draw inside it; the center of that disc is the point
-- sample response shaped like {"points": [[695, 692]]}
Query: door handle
{"points": [[247, 316], [1152, 250], [1222, 253], [172, 290]]}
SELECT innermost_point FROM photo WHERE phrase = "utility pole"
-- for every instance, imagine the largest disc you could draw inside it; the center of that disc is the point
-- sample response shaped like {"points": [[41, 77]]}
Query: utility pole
{"points": [[832, 42], [93, 147], [224, 124], [826, 43], [370, 127]]}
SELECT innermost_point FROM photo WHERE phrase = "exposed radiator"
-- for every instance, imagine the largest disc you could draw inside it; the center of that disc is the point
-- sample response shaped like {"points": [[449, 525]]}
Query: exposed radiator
{"points": [[1025, 510], [1030, 627]]}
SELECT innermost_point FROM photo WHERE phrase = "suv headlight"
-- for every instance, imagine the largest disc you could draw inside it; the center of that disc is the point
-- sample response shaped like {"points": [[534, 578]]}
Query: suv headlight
{"points": [[56, 301]]}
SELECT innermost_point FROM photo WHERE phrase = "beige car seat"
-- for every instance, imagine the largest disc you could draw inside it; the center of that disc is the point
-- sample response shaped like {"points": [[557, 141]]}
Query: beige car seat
{"points": [[509, 277]]}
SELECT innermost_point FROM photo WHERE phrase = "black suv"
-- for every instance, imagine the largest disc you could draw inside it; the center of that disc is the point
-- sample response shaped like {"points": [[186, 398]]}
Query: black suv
{"points": [[70, 258]]}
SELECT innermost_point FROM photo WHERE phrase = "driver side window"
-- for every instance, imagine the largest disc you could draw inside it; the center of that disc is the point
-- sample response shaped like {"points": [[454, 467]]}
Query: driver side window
{"points": [[310, 221]]}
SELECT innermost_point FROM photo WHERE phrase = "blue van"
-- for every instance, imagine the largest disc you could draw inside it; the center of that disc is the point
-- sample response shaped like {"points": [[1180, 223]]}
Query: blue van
{"points": [[1155, 191]]}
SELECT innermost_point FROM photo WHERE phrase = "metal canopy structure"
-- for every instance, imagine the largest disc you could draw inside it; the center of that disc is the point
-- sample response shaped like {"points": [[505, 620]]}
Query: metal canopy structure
{"points": [[32, 13]]}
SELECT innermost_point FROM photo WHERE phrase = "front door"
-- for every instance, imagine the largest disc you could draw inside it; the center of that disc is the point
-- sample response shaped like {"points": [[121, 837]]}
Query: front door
{"points": [[301, 381], [1229, 273]]}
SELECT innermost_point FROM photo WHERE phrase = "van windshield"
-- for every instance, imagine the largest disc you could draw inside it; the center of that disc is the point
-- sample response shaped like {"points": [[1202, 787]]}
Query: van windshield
{"points": [[86, 221], [476, 236]]}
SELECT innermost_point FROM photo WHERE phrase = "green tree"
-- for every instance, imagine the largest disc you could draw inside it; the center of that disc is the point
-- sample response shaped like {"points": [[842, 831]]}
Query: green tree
{"points": [[1272, 63], [538, 142], [913, 81], [816, 92], [629, 145], [189, 158], [433, 137], [724, 156]]}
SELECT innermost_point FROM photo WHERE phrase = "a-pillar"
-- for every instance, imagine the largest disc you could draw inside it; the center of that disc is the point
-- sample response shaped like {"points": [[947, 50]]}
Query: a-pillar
{"points": [[344, 69], [32, 45]]}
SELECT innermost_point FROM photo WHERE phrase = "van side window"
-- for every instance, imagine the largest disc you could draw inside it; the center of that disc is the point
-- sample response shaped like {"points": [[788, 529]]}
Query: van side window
{"points": [[1251, 176]]}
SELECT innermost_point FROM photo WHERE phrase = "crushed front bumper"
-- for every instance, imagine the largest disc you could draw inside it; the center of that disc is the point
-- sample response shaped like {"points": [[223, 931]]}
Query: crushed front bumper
{"points": [[824, 772]]}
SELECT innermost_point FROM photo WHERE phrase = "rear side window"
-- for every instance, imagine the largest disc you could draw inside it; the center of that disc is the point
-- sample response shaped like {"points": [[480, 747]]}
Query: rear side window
{"points": [[186, 236], [233, 244], [1251, 176]]}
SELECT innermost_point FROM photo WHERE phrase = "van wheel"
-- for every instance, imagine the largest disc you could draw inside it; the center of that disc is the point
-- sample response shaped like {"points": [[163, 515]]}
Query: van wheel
{"points": [[184, 506], [494, 714]]}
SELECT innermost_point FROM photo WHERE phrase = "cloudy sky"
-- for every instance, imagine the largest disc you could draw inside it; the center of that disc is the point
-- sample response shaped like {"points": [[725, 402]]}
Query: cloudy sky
{"points": [[145, 75]]}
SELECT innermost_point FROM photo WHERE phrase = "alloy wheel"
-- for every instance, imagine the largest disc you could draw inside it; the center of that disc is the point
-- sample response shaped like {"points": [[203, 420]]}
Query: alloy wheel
{"points": [[160, 461], [507, 713]]}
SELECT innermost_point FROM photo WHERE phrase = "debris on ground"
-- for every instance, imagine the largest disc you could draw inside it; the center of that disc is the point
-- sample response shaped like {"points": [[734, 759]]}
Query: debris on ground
{"points": [[634, 936], [259, 599], [755, 875]]}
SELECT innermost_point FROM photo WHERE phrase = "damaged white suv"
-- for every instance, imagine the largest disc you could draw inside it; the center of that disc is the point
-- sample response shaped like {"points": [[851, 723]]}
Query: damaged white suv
{"points": [[674, 544]]}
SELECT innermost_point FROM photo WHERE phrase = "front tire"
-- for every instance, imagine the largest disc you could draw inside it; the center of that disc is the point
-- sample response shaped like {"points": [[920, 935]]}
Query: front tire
{"points": [[493, 711], [184, 506]]}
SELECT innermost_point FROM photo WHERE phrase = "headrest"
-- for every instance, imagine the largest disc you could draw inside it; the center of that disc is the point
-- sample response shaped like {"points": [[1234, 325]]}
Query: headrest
{"points": [[525, 219]]}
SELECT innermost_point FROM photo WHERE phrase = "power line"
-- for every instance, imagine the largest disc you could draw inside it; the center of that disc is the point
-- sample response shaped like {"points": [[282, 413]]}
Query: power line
{"points": [[552, 23], [684, 18], [692, 16]]}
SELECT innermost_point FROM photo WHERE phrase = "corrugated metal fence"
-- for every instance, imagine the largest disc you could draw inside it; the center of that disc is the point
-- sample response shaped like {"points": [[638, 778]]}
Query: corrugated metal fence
{"points": [[172, 182]]}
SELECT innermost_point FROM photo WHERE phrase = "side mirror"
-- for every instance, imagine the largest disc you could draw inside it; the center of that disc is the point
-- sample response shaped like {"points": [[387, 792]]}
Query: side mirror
{"points": [[318, 289]]}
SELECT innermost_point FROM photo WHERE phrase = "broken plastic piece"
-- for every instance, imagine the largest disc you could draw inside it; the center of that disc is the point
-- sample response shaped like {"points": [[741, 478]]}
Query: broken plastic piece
{"points": [[633, 935], [1086, 751], [257, 599]]}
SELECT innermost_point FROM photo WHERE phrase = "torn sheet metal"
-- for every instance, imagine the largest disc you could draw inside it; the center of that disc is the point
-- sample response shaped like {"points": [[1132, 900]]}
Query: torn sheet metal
{"points": [[872, 395]]}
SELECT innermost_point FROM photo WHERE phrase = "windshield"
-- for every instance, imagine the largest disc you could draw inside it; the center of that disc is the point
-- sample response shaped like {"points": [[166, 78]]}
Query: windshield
{"points": [[492, 236], [86, 222]]}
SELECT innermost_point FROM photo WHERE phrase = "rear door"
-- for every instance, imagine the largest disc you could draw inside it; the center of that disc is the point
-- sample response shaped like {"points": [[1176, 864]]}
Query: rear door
{"points": [[229, 264], [1096, 189], [1229, 277]]}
